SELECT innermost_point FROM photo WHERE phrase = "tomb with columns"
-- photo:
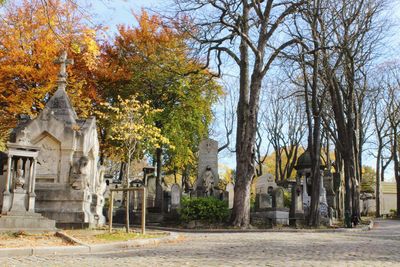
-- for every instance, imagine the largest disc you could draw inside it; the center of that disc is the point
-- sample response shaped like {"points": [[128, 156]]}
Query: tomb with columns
{"points": [[301, 192], [17, 184], [69, 184]]}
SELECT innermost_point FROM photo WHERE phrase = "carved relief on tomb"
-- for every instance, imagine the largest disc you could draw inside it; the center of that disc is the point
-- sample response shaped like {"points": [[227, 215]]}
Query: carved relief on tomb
{"points": [[48, 166]]}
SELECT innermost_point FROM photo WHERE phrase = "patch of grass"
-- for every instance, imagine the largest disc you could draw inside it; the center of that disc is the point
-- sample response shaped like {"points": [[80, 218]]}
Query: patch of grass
{"points": [[123, 236]]}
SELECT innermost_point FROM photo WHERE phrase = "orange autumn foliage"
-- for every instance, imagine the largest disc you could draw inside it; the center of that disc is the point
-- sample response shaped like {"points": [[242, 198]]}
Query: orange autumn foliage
{"points": [[32, 36]]}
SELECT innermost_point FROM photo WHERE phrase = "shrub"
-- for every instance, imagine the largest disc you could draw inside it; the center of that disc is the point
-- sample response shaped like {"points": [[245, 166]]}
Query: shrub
{"points": [[207, 209], [287, 198]]}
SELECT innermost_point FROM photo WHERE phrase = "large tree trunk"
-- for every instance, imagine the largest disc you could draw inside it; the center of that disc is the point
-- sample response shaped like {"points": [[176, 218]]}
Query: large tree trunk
{"points": [[396, 166], [378, 182], [348, 178], [398, 198]]}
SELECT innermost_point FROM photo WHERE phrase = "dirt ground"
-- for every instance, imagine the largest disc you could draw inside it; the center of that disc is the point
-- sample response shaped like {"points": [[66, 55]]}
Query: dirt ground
{"points": [[21, 239]]}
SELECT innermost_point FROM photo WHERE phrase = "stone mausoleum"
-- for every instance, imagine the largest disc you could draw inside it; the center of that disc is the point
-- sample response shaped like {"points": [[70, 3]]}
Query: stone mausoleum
{"points": [[327, 201], [69, 184]]}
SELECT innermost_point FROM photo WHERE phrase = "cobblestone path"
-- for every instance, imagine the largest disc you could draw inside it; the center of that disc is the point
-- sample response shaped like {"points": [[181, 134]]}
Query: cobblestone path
{"points": [[379, 247]]}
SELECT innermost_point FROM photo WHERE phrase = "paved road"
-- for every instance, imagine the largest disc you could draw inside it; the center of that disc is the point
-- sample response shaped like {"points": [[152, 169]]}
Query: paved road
{"points": [[379, 247]]}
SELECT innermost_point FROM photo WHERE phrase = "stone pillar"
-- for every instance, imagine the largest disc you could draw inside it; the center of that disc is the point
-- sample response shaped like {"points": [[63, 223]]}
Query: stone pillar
{"points": [[32, 181], [9, 165], [6, 194]]}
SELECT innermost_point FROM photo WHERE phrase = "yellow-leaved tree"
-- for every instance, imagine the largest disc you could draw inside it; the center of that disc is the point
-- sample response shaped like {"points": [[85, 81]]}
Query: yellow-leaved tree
{"points": [[131, 129]]}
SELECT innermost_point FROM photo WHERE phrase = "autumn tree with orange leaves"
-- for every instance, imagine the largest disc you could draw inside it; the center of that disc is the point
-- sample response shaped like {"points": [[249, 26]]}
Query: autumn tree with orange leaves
{"points": [[32, 35], [154, 62]]}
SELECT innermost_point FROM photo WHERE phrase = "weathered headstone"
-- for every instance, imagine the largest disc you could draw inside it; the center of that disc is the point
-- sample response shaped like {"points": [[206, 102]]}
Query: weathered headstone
{"points": [[278, 198], [296, 208], [265, 201], [265, 184], [176, 195], [264, 187], [231, 192], [207, 176], [278, 213]]}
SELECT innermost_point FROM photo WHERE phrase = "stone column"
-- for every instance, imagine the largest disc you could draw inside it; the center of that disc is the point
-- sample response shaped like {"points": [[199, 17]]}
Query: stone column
{"points": [[32, 180], [8, 179], [6, 194]]}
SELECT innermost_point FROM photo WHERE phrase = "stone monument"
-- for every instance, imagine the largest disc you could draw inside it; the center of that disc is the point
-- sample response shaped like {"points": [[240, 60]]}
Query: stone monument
{"points": [[296, 214], [18, 189], [176, 195], [207, 176], [304, 175], [278, 213], [230, 189], [69, 187], [265, 185]]}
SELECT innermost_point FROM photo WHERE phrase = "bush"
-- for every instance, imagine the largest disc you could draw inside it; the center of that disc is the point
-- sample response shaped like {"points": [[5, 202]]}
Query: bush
{"points": [[207, 209], [287, 198]]}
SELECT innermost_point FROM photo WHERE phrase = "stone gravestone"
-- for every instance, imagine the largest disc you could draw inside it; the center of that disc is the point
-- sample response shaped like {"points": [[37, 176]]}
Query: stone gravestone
{"points": [[278, 198], [230, 189], [296, 207], [264, 188], [265, 184], [176, 195], [207, 176], [278, 214]]}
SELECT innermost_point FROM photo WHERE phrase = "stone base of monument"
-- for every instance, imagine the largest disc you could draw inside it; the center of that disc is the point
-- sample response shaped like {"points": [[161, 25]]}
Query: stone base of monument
{"points": [[259, 218], [68, 207], [297, 220], [278, 216], [25, 221]]}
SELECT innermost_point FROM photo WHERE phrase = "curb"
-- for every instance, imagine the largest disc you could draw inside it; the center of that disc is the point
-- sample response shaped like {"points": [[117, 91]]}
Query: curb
{"points": [[287, 230], [82, 248]]}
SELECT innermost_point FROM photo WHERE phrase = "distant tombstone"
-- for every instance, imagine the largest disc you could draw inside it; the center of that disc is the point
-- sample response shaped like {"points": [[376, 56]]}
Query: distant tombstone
{"points": [[207, 176], [278, 198], [297, 197], [175, 196], [265, 201], [230, 189], [265, 184]]}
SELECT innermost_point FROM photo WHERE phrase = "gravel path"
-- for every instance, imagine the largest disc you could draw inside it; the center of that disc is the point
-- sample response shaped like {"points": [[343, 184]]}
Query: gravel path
{"points": [[379, 247]]}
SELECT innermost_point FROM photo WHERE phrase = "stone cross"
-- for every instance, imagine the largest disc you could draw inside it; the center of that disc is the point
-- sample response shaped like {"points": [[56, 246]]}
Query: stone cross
{"points": [[25, 139], [63, 61]]}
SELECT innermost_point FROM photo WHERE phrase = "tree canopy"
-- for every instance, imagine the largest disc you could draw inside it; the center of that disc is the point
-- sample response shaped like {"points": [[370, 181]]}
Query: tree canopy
{"points": [[32, 37]]}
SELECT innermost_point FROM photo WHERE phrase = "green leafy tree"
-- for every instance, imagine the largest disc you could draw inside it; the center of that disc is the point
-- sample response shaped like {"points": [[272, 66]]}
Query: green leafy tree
{"points": [[131, 128], [153, 61]]}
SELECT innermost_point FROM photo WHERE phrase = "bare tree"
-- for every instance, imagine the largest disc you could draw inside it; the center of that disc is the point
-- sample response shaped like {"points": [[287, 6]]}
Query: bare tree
{"points": [[284, 119], [382, 133], [244, 30], [229, 106], [353, 32], [393, 112]]}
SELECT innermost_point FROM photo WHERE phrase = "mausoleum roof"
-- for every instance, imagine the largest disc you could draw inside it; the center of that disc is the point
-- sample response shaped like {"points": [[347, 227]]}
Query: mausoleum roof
{"points": [[60, 106], [304, 161]]}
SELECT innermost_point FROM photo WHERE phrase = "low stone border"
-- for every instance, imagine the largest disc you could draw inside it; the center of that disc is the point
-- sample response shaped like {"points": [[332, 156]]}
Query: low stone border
{"points": [[283, 230], [82, 248]]}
